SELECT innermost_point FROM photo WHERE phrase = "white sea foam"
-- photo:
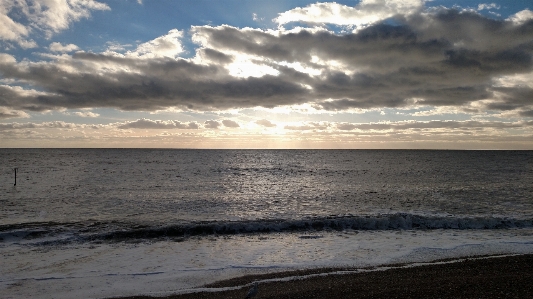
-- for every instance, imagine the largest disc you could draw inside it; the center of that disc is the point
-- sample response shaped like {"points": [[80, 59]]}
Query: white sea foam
{"points": [[165, 267]]}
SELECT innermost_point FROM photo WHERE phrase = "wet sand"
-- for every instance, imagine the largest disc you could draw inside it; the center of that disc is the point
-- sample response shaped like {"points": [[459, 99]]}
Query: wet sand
{"points": [[493, 277]]}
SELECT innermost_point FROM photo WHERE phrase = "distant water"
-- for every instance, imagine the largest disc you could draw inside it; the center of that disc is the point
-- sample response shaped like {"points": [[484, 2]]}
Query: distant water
{"points": [[100, 191], [81, 198]]}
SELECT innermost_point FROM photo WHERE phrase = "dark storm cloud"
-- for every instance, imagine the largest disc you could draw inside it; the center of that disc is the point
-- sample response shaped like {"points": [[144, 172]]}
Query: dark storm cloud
{"points": [[440, 57]]}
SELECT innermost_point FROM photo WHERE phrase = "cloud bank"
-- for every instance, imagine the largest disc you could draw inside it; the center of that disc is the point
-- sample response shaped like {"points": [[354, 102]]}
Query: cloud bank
{"points": [[433, 57]]}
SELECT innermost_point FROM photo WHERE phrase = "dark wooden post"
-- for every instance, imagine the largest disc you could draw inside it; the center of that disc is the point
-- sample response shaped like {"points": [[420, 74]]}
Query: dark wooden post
{"points": [[15, 176]]}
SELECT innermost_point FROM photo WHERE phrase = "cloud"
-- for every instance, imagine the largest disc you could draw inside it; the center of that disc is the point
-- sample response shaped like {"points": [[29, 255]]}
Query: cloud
{"points": [[230, 123], [12, 96], [9, 113], [10, 29], [432, 125], [157, 124], [168, 45], [265, 123], [521, 17], [438, 57], [58, 47], [308, 126], [152, 84], [527, 113], [256, 18], [321, 127], [211, 124], [86, 114], [445, 58], [49, 17], [157, 133], [365, 12], [48, 125], [215, 56], [487, 6], [410, 126]]}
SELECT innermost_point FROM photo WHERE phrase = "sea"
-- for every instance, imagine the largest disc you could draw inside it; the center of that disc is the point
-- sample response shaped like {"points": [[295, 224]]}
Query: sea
{"points": [[100, 223]]}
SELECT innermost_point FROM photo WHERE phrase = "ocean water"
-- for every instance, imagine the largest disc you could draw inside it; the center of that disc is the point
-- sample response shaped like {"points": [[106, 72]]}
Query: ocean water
{"points": [[109, 222]]}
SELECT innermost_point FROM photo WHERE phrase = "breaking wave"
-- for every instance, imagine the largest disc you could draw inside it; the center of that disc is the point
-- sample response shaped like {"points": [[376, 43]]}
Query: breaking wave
{"points": [[382, 222], [115, 231]]}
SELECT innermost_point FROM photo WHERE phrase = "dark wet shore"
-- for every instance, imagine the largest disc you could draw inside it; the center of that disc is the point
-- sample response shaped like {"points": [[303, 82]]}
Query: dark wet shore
{"points": [[495, 277]]}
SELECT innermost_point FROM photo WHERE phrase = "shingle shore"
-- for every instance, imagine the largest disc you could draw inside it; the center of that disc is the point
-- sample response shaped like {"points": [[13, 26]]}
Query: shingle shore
{"points": [[495, 277]]}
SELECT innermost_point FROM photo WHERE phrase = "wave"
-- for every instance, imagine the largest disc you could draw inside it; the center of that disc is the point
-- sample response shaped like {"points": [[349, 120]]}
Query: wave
{"points": [[116, 231], [382, 222]]}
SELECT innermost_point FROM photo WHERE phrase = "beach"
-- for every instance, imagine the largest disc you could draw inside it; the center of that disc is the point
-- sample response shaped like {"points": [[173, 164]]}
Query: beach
{"points": [[478, 277]]}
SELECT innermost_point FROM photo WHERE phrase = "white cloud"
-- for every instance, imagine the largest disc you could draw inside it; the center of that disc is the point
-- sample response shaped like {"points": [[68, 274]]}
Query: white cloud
{"points": [[487, 6], [49, 125], [246, 66], [11, 30], [57, 15], [58, 47], [144, 123], [86, 114], [366, 12], [439, 111], [7, 59], [6, 112], [256, 18], [7, 91], [117, 47], [521, 17], [168, 45], [47, 16], [515, 80]]}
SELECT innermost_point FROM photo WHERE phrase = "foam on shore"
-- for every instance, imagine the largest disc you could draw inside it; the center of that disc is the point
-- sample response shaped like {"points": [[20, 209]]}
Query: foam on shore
{"points": [[103, 269]]}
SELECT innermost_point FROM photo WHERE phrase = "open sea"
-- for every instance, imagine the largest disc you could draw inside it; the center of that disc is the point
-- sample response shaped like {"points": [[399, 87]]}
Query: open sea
{"points": [[99, 223]]}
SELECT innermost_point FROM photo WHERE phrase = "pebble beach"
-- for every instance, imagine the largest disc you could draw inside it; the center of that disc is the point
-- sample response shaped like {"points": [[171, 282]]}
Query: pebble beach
{"points": [[479, 277]]}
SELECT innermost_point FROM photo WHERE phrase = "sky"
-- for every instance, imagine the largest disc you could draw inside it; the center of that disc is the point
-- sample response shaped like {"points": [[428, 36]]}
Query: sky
{"points": [[411, 74]]}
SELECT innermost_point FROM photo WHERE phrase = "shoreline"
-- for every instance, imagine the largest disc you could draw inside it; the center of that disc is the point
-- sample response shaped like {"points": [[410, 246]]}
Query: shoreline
{"points": [[500, 276]]}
